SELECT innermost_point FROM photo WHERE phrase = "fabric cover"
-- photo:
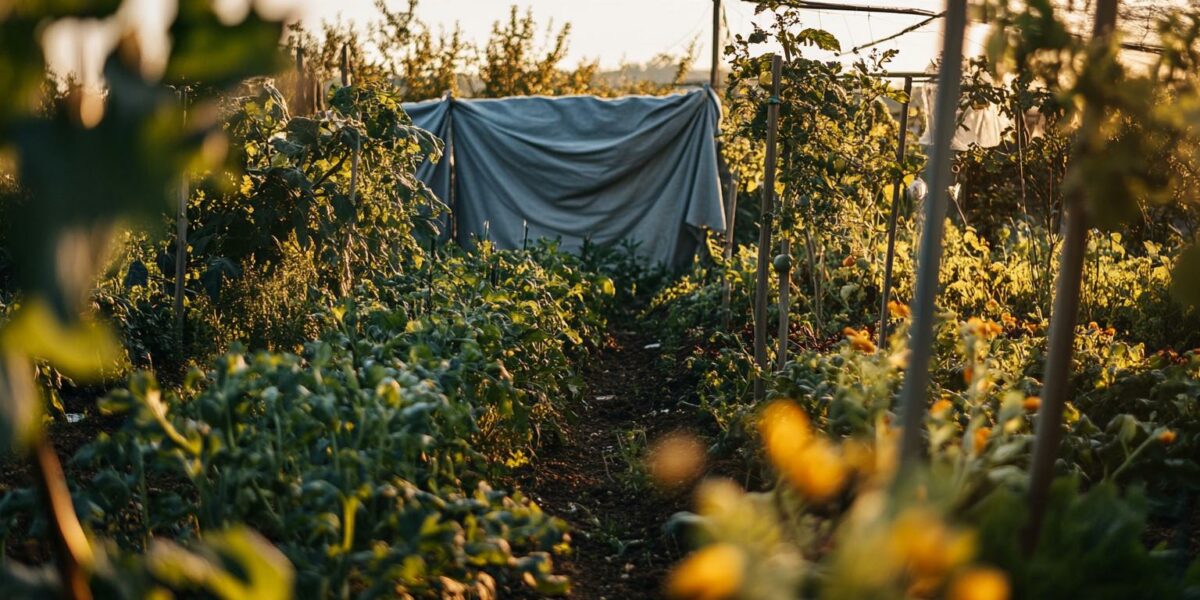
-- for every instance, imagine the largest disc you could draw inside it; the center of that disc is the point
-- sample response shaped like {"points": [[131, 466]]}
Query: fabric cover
{"points": [[980, 126], [638, 168]]}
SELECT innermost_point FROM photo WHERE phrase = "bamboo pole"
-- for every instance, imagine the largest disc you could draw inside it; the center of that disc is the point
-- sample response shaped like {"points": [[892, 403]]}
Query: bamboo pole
{"points": [[302, 91], [181, 242], [891, 240], [730, 229], [1062, 319], [785, 288], [764, 229], [345, 65], [916, 381], [714, 77]]}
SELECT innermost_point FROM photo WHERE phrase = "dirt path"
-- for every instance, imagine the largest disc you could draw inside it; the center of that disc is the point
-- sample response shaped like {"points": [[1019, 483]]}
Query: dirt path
{"points": [[593, 477]]}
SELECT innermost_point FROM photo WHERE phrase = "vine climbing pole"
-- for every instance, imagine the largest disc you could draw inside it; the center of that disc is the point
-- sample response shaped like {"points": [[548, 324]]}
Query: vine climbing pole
{"points": [[1062, 319], [892, 218], [913, 396], [764, 229]]}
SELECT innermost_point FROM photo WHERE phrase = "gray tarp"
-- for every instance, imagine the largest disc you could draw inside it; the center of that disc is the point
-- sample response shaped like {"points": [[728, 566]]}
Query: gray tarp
{"points": [[638, 168]]}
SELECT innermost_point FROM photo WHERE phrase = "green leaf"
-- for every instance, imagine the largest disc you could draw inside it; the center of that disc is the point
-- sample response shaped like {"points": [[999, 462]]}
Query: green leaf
{"points": [[209, 52]]}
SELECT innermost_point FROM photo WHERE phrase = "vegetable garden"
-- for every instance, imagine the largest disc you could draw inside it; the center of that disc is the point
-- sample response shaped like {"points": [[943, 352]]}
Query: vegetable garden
{"points": [[239, 357]]}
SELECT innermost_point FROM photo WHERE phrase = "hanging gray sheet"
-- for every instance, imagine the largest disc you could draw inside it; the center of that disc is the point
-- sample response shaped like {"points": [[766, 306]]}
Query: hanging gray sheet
{"points": [[638, 168]]}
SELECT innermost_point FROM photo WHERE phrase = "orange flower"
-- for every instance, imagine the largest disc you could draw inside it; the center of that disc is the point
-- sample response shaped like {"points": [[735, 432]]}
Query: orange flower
{"points": [[980, 583], [940, 407], [862, 343], [1032, 403], [991, 329], [1093, 326], [851, 332], [981, 438], [1110, 331], [1008, 320], [1167, 437], [898, 310], [849, 261], [968, 375]]}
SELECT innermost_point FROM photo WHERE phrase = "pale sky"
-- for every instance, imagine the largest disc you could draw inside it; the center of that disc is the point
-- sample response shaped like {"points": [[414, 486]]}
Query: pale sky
{"points": [[637, 30]]}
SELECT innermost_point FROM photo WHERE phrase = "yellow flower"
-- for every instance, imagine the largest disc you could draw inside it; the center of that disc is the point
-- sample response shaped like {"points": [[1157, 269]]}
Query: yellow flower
{"points": [[1167, 437], [785, 429], [898, 310], [928, 548], [1008, 320], [1031, 403], [819, 471], [811, 464], [981, 438], [712, 573], [980, 583]]}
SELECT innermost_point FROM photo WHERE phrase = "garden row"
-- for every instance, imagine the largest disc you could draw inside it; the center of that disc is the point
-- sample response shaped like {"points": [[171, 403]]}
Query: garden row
{"points": [[829, 508], [342, 389]]}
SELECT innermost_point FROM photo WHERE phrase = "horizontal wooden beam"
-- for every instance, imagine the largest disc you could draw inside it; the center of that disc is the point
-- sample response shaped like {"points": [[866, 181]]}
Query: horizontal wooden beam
{"points": [[895, 10]]}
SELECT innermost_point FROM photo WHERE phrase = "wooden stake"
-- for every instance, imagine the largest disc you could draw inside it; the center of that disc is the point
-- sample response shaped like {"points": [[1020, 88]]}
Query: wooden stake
{"points": [[181, 243], [730, 224], [345, 65], [896, 189], [764, 228], [714, 78], [301, 101], [916, 382], [1062, 319], [785, 288]]}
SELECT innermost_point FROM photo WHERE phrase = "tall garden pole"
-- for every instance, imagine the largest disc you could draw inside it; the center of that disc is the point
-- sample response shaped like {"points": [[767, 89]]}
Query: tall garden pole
{"points": [[916, 380], [896, 188], [181, 243], [345, 66], [1062, 319], [785, 288], [714, 76], [764, 229], [730, 228]]}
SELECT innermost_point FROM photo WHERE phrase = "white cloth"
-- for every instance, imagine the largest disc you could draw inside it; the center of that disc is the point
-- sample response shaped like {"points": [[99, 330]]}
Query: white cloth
{"points": [[980, 126]]}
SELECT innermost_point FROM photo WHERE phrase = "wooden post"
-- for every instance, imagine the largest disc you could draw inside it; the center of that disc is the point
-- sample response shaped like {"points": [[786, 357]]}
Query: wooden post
{"points": [[785, 288], [181, 243], [345, 65], [1062, 319], [730, 229], [891, 240], [714, 77], [764, 228], [913, 398], [301, 100]]}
